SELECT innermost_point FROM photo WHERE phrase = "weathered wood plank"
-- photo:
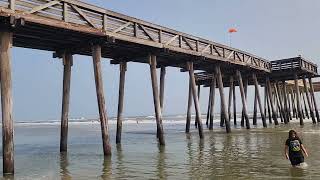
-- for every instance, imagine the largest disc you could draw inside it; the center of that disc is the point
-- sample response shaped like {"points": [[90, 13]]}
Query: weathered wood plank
{"points": [[156, 98], [38, 8], [6, 102], [83, 15], [123, 69], [195, 98], [96, 55], [67, 64]]}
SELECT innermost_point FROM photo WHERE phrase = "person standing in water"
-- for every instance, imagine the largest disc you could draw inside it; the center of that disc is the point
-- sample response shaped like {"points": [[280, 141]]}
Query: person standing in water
{"points": [[294, 148]]}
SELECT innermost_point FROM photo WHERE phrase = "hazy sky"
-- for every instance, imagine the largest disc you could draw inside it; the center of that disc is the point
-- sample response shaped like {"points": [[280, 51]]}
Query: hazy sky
{"points": [[271, 29]]}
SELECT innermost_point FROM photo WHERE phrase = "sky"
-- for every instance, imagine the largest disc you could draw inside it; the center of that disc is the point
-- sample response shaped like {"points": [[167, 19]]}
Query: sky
{"points": [[270, 29]]}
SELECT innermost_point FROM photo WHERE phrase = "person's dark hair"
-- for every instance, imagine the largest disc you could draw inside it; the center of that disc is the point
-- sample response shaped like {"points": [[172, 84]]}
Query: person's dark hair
{"points": [[291, 133]]}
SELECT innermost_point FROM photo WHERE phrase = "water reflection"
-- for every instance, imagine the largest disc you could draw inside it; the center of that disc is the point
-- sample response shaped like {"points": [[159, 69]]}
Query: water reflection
{"points": [[161, 163], [107, 168], [64, 163], [120, 168]]}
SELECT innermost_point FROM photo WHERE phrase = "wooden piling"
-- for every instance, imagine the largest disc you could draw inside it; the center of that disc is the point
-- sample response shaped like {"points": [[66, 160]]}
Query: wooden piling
{"points": [[255, 114], [286, 109], [243, 98], [308, 100], [213, 89], [274, 115], [314, 100], [294, 109], [188, 120], [156, 98], [245, 91], [223, 102], [67, 64], [257, 92], [123, 69], [298, 98], [304, 104], [195, 98], [230, 97], [278, 100], [6, 102], [162, 81], [96, 55], [209, 106], [196, 120], [234, 105], [268, 104]]}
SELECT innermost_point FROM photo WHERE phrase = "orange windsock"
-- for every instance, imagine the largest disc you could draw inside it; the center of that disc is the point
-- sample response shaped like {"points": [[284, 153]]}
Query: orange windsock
{"points": [[232, 30]]}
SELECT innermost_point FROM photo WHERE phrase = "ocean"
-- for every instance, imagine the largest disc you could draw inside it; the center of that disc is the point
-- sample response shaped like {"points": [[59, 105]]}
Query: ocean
{"points": [[257, 153]]}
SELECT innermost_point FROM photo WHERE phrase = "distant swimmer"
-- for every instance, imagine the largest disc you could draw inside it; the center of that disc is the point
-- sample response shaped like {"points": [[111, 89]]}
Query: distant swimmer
{"points": [[294, 148]]}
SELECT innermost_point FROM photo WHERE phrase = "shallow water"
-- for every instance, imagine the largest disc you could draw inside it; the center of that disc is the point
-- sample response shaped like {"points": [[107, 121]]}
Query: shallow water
{"points": [[243, 154]]}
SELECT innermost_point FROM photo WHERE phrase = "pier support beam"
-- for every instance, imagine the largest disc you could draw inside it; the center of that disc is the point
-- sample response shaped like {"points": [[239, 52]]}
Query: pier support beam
{"points": [[230, 97], [274, 115], [156, 98], [298, 98], [223, 102], [309, 100], [188, 120], [314, 100], [245, 82], [6, 102], [123, 69], [267, 103], [196, 120], [285, 109], [67, 64], [195, 97], [209, 107], [234, 105], [243, 98], [263, 117], [96, 55], [213, 89], [162, 80], [305, 104], [255, 113]]}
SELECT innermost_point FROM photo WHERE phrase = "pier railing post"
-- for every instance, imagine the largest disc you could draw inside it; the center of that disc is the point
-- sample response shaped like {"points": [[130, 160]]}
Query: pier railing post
{"points": [[213, 89], [96, 55], [263, 117], [67, 64], [223, 102], [156, 98], [6, 102], [243, 98], [195, 97], [298, 98], [309, 100], [314, 99], [123, 69]]}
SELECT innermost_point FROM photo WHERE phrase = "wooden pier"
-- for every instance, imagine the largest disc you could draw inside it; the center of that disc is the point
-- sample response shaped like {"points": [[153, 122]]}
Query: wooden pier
{"points": [[69, 27]]}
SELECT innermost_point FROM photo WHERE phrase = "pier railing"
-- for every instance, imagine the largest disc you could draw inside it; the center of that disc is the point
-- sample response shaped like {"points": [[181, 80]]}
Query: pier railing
{"points": [[76, 15], [294, 63]]}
